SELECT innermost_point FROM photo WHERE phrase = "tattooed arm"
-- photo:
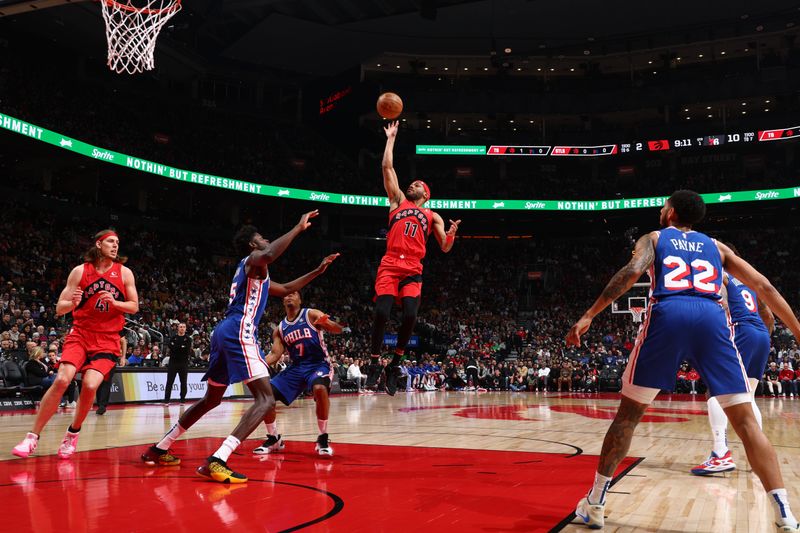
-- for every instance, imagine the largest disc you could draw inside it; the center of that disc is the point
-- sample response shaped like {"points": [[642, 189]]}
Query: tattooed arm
{"points": [[643, 255]]}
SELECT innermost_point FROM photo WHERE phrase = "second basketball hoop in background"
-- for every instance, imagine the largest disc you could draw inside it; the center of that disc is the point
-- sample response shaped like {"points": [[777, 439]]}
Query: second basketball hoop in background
{"points": [[132, 28], [389, 106]]}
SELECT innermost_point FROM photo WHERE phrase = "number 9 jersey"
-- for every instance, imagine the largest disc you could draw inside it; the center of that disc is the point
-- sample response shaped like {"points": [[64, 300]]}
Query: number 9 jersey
{"points": [[686, 263]]}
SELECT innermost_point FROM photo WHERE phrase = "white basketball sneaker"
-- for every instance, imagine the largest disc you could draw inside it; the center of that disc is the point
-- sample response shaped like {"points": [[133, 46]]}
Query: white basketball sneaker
{"points": [[785, 528], [592, 515], [323, 446], [715, 464], [274, 443]]}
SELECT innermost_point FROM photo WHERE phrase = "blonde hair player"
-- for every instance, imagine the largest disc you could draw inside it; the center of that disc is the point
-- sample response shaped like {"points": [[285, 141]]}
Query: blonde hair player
{"points": [[685, 269]]}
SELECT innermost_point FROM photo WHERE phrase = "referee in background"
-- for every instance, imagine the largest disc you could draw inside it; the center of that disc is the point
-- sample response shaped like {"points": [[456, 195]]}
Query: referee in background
{"points": [[180, 348]]}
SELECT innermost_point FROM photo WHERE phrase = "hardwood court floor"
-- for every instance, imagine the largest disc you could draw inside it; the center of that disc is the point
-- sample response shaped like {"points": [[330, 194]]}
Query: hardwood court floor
{"points": [[425, 461]]}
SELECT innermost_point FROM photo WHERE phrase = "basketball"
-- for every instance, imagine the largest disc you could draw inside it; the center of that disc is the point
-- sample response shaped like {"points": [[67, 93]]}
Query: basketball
{"points": [[389, 106]]}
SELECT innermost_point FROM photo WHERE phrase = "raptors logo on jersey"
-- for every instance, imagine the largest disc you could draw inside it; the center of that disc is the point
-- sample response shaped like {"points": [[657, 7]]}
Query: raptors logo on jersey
{"points": [[91, 313], [409, 228]]}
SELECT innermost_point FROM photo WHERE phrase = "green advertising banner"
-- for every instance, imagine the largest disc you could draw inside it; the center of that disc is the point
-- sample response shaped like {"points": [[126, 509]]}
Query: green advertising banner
{"points": [[143, 165], [430, 149]]}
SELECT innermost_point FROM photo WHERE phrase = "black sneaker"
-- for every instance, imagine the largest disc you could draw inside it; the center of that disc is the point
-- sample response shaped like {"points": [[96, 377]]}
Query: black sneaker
{"points": [[273, 444], [101, 410], [392, 375], [323, 446]]}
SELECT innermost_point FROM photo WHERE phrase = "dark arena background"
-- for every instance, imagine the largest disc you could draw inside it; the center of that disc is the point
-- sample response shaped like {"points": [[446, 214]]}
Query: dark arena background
{"points": [[554, 131]]}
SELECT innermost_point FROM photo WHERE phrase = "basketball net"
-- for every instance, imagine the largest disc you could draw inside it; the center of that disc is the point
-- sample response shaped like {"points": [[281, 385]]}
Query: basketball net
{"points": [[637, 313], [132, 31]]}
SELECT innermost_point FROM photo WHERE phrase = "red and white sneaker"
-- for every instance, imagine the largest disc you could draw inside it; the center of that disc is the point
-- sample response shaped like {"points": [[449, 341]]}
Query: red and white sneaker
{"points": [[715, 464], [68, 445], [27, 446]]}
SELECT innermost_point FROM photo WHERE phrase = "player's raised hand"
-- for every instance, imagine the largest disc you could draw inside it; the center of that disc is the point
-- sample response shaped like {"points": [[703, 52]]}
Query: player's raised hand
{"points": [[77, 296], [453, 227], [327, 261], [304, 220], [579, 328], [391, 129]]}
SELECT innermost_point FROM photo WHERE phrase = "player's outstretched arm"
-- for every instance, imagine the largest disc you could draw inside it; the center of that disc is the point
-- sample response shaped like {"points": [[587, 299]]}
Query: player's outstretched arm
{"points": [[277, 348], [741, 269], [71, 296], [446, 238], [322, 321], [129, 306], [390, 182], [282, 289], [259, 258], [643, 256]]}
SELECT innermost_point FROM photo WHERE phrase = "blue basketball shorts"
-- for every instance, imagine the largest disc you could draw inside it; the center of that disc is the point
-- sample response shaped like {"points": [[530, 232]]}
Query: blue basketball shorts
{"points": [[235, 355], [752, 340], [690, 328], [298, 377]]}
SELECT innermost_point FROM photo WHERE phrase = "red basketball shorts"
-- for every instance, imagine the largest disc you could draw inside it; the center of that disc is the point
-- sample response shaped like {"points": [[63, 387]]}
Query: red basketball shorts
{"points": [[87, 350], [399, 277]]}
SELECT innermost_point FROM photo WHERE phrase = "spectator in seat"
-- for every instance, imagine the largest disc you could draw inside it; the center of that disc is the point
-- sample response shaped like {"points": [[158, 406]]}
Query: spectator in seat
{"points": [[788, 383], [682, 384], [135, 359], [354, 374], [578, 379], [565, 376], [542, 377], [772, 379], [39, 374], [692, 378]]}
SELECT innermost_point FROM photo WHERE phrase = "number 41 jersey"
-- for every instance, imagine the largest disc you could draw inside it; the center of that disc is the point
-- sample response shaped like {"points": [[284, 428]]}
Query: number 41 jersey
{"points": [[686, 263]]}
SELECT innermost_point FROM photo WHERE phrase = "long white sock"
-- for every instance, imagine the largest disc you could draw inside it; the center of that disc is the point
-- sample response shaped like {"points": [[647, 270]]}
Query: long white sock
{"points": [[229, 445], [598, 493], [272, 428], [780, 505], [323, 426], [719, 427], [170, 438]]}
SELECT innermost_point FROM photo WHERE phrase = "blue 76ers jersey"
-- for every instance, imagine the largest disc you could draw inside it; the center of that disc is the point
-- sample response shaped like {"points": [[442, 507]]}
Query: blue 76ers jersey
{"points": [[248, 298], [686, 263], [743, 303], [304, 342]]}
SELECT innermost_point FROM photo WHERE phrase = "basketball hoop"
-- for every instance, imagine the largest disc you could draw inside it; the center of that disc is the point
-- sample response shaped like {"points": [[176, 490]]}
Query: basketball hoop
{"points": [[636, 313], [132, 31]]}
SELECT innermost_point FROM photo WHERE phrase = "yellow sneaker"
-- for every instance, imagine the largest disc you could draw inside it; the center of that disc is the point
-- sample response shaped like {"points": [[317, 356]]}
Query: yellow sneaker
{"points": [[217, 470], [155, 457]]}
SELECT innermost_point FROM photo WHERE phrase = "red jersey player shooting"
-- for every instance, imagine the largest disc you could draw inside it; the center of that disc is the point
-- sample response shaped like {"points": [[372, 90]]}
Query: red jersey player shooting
{"points": [[98, 293], [400, 272]]}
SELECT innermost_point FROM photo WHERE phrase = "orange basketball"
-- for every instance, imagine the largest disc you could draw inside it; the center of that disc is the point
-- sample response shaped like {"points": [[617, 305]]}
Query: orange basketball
{"points": [[389, 106]]}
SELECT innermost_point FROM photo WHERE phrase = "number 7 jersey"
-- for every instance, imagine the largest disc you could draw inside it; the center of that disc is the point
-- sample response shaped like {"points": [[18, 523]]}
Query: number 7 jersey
{"points": [[686, 263]]}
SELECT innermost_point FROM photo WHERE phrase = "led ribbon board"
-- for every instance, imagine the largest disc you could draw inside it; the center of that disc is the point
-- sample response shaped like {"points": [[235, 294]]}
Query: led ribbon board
{"points": [[166, 171]]}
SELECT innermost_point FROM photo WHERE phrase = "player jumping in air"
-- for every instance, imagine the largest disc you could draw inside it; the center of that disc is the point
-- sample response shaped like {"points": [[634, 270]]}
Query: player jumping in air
{"points": [[399, 276], [685, 320]]}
